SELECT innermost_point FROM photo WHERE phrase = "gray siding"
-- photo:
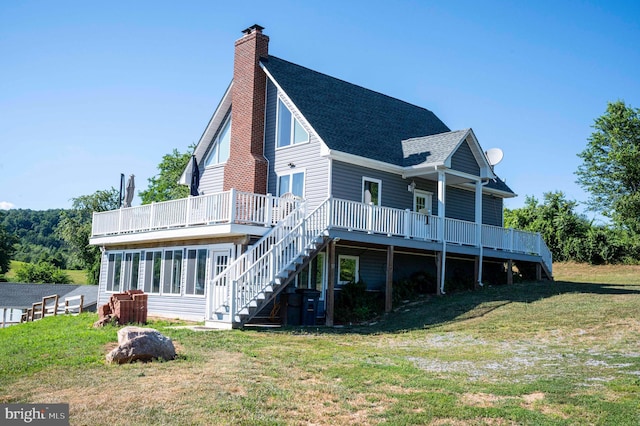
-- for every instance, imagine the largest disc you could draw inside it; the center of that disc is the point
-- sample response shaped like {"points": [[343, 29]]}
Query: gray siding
{"points": [[305, 157], [460, 204], [464, 161], [212, 180], [347, 184], [373, 265], [492, 210]]}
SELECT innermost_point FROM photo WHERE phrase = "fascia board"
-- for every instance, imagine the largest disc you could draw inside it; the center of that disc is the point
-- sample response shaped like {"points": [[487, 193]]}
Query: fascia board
{"points": [[361, 161]]}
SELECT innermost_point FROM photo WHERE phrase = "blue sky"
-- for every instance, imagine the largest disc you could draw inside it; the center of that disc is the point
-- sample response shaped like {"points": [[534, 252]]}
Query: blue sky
{"points": [[89, 90]]}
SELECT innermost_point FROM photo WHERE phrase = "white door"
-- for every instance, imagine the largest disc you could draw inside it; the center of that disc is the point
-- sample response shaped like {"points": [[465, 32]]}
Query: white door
{"points": [[422, 202]]}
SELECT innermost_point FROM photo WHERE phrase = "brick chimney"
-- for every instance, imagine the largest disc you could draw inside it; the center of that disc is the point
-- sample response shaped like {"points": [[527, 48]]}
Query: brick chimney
{"points": [[246, 168]]}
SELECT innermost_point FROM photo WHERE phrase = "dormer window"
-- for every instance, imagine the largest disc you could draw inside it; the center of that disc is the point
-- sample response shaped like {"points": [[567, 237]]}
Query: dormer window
{"points": [[220, 150], [290, 131]]}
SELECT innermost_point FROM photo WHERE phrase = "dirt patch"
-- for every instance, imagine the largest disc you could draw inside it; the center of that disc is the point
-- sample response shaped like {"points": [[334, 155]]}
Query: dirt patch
{"points": [[482, 400]]}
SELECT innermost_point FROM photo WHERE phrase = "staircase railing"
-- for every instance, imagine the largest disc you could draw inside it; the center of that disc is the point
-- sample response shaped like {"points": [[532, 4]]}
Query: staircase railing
{"points": [[235, 289]]}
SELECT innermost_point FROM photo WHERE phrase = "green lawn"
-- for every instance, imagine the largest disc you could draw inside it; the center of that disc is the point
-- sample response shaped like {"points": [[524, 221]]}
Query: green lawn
{"points": [[560, 353], [77, 276]]}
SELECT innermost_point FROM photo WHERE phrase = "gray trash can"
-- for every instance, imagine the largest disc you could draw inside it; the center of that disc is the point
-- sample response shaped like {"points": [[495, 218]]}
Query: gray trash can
{"points": [[309, 308]]}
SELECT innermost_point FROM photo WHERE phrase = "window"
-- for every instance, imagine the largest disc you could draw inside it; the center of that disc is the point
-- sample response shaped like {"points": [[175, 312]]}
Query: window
{"points": [[131, 269], [312, 276], [220, 149], [172, 272], [114, 268], [293, 183], [371, 190], [290, 131], [153, 263], [348, 267], [196, 271]]}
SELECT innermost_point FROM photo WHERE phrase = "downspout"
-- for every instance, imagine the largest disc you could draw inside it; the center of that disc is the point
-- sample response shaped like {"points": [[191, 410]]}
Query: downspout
{"points": [[480, 239]]}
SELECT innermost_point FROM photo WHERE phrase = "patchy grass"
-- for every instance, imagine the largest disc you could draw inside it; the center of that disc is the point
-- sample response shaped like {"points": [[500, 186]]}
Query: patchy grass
{"points": [[561, 353], [77, 276]]}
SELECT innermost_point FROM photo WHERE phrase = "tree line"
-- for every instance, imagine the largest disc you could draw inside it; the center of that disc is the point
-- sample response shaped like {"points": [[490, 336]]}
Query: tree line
{"points": [[610, 173]]}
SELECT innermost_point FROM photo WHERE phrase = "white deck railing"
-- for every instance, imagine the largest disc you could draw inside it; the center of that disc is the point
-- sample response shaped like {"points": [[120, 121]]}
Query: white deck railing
{"points": [[221, 208], [234, 290]]}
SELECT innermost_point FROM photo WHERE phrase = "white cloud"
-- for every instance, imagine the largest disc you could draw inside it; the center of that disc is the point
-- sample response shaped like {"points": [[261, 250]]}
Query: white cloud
{"points": [[5, 205]]}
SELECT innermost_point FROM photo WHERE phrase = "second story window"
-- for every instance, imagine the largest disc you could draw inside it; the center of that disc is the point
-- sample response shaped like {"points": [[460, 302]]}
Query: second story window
{"points": [[290, 131], [220, 149]]}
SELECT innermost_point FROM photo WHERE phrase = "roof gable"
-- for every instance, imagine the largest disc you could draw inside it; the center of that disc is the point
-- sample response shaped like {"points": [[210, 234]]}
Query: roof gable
{"points": [[350, 118]]}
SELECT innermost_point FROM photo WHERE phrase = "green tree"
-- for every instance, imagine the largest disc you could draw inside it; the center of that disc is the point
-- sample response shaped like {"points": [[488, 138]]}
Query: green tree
{"points": [[41, 272], [610, 171], [75, 228], [7, 249], [165, 186]]}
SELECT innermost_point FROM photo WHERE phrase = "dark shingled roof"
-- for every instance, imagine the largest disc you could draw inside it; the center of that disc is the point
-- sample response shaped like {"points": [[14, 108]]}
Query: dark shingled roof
{"points": [[22, 296], [350, 118]]}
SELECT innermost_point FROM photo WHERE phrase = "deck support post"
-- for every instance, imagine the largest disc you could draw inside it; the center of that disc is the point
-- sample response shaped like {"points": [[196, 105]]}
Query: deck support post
{"points": [[476, 272], [439, 272], [509, 271], [331, 279], [388, 294], [538, 272]]}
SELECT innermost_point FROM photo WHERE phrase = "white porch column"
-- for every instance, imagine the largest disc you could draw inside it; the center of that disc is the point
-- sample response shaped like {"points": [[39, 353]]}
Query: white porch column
{"points": [[442, 181], [479, 227]]}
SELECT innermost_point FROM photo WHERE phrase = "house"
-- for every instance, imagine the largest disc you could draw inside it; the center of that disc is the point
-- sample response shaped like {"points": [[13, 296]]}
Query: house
{"points": [[310, 181], [17, 298]]}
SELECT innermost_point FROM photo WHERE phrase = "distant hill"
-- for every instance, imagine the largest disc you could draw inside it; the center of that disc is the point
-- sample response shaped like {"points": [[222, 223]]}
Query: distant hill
{"points": [[38, 239]]}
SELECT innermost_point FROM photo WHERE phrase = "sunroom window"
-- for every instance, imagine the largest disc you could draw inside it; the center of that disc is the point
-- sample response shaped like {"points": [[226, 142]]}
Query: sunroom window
{"points": [[220, 149], [290, 131]]}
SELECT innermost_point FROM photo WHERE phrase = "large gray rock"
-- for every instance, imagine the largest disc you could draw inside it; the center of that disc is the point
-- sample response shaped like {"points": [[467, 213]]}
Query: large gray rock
{"points": [[145, 344]]}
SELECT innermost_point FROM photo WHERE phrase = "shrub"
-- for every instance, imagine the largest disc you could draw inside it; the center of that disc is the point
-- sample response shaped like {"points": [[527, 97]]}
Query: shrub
{"points": [[355, 304], [41, 272]]}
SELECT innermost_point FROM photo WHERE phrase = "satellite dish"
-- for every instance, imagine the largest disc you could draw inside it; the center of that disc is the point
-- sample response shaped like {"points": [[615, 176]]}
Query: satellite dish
{"points": [[494, 155]]}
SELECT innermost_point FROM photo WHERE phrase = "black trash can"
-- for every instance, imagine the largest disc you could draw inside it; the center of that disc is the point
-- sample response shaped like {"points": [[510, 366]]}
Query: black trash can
{"points": [[309, 308], [292, 304]]}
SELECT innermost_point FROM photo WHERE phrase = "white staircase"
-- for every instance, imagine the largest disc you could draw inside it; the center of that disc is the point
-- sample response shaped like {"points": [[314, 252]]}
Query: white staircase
{"points": [[254, 279]]}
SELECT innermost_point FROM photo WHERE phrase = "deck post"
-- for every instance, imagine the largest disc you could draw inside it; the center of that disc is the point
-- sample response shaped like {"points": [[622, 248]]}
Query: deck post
{"points": [[476, 272], [388, 294], [331, 279], [509, 271], [538, 272], [439, 272]]}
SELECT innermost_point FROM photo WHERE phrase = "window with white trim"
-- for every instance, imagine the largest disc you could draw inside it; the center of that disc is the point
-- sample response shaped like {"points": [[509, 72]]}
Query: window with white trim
{"points": [[220, 150], [172, 272], [114, 270], [196, 271], [289, 129], [371, 191], [131, 271], [122, 271], [348, 269], [293, 183], [152, 269]]}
